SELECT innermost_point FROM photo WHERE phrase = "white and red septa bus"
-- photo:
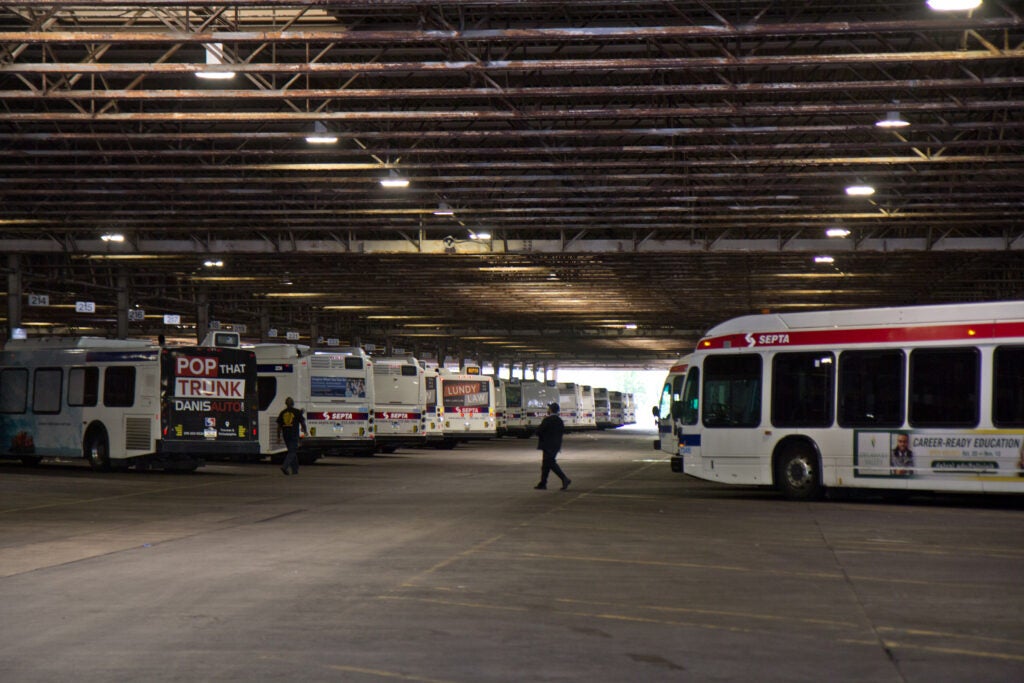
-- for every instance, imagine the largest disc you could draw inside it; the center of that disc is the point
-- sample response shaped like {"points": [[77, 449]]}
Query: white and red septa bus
{"points": [[536, 396], [121, 403], [668, 408], [399, 399], [467, 403], [576, 404], [339, 415], [913, 398]]}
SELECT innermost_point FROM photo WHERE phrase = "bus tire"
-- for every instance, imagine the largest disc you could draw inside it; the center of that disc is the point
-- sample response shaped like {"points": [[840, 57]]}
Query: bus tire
{"points": [[31, 460], [798, 474], [97, 449]]}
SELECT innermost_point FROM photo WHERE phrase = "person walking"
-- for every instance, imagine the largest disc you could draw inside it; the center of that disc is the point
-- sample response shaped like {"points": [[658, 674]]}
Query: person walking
{"points": [[291, 423], [549, 442]]}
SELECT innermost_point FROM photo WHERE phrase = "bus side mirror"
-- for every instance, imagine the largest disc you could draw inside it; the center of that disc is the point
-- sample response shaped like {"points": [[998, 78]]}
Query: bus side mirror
{"points": [[655, 411]]}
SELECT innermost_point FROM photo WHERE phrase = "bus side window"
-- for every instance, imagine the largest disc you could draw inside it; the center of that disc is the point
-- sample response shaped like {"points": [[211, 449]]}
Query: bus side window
{"points": [[803, 385], [689, 403], [83, 386], [872, 388], [46, 390], [119, 387], [266, 390], [944, 387], [13, 390], [1008, 386], [732, 391]]}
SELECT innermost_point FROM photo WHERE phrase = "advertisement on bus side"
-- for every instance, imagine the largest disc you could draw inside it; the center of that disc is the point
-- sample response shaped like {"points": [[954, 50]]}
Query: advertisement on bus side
{"points": [[906, 454]]}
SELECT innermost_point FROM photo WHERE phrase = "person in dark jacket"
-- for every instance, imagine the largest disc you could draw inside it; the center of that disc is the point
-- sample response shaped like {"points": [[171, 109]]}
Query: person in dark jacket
{"points": [[291, 424], [549, 442]]}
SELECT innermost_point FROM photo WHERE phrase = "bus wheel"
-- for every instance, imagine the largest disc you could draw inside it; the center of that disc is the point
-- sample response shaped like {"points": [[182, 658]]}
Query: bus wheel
{"points": [[31, 460], [97, 451], [797, 475]]}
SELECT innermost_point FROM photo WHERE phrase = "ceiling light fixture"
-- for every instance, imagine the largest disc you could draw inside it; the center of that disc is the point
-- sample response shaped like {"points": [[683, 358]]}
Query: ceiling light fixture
{"points": [[443, 209], [953, 5], [860, 190], [320, 136], [479, 235], [824, 259], [394, 180], [213, 264], [112, 237], [892, 120], [215, 56], [837, 232]]}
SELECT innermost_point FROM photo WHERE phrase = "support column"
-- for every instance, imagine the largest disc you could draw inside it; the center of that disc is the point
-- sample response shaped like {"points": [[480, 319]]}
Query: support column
{"points": [[122, 306], [264, 323], [14, 293], [202, 314], [314, 330]]}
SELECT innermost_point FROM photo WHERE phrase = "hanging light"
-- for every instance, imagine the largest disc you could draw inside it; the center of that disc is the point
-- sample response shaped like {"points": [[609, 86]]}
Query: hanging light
{"points": [[860, 190], [479, 235], [215, 56], [954, 5], [320, 136], [824, 259], [837, 232], [443, 209], [112, 237], [394, 180], [892, 120]]}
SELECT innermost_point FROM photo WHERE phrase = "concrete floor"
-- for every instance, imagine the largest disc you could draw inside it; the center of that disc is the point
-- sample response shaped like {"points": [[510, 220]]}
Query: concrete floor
{"points": [[448, 566]]}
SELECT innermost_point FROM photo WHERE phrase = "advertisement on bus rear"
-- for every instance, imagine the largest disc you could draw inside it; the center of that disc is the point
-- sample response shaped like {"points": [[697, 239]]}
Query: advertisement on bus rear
{"points": [[465, 397], [209, 394]]}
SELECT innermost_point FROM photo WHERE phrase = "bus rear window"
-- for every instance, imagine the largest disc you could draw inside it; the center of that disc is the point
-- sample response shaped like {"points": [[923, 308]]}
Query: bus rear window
{"points": [[353, 363], [1008, 387], [944, 387]]}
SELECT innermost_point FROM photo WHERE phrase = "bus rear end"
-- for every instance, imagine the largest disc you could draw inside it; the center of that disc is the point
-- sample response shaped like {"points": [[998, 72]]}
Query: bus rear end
{"points": [[399, 397], [468, 402], [210, 405], [339, 416]]}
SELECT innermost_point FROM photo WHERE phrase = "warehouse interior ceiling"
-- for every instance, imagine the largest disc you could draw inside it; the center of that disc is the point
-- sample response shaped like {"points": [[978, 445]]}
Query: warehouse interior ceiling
{"points": [[590, 182]]}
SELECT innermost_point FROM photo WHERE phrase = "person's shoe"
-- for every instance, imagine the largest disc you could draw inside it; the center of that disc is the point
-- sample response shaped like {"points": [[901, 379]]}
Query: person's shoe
{"points": [[541, 487], [284, 471], [565, 484]]}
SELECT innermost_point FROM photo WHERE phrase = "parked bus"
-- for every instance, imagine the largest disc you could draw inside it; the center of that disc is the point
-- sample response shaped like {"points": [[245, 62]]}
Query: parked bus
{"points": [[333, 388], [587, 417], [399, 400], [570, 402], [433, 418], [615, 405], [629, 408], [535, 397], [925, 398], [602, 409], [466, 404], [501, 409], [122, 403], [669, 406]]}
